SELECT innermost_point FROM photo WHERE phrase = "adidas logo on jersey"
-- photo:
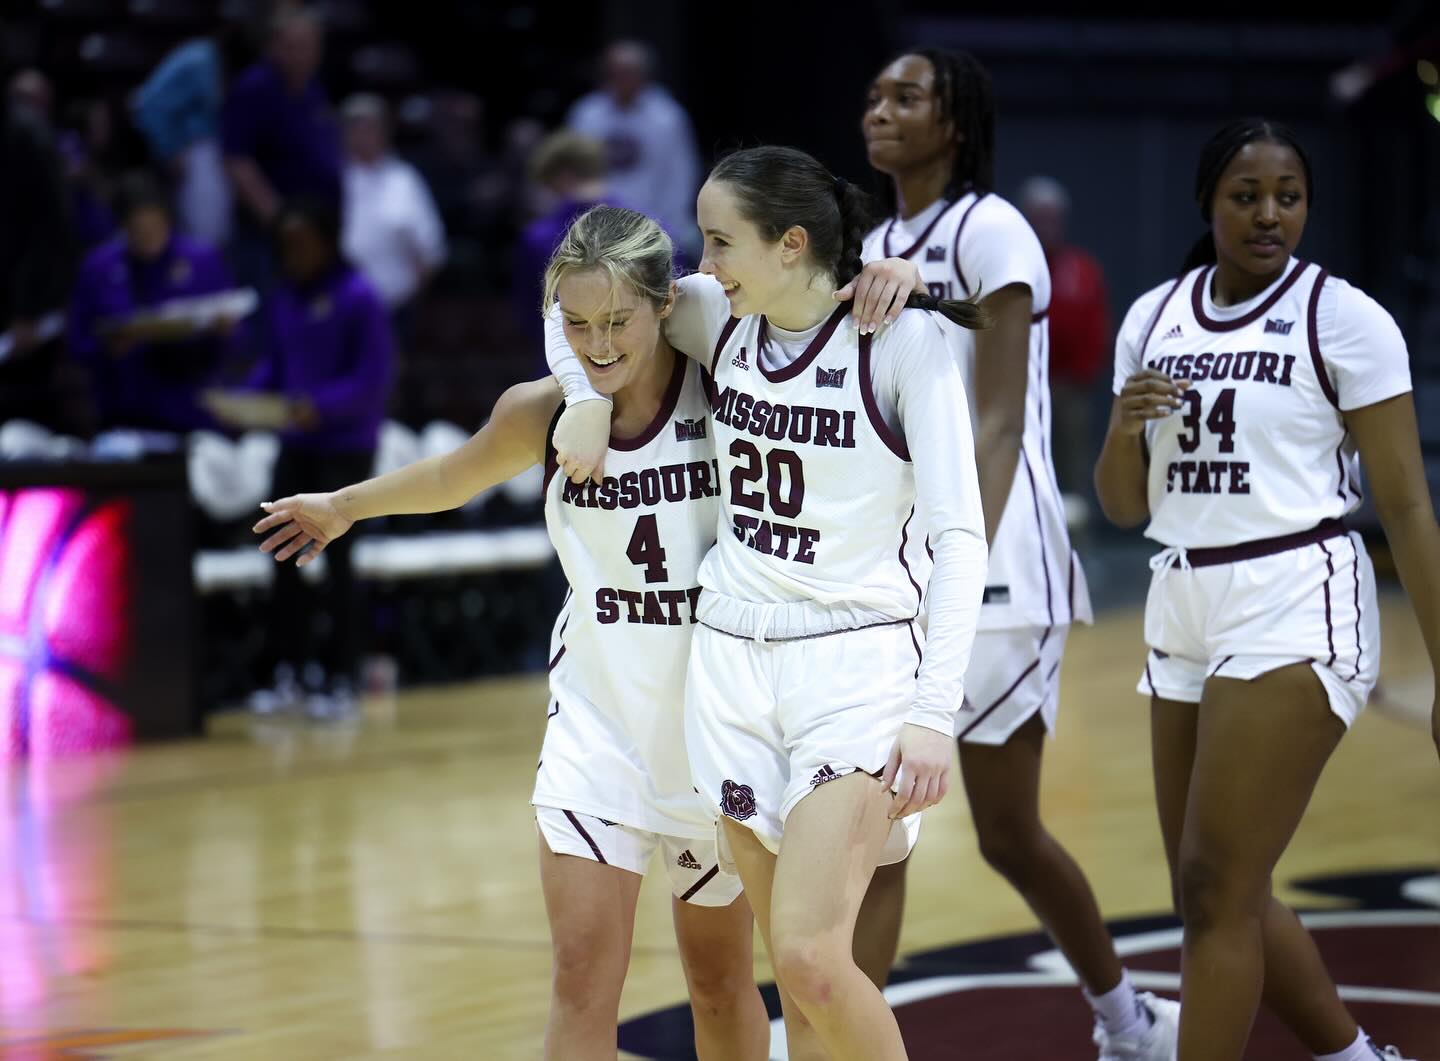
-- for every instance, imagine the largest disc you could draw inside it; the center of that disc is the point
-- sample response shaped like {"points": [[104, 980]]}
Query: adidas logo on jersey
{"points": [[1173, 333], [739, 360], [830, 377], [935, 254], [687, 860], [1277, 327], [825, 773], [689, 430]]}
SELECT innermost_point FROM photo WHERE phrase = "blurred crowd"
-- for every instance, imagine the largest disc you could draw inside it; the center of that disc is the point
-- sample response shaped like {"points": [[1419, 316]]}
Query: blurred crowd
{"points": [[230, 247]]}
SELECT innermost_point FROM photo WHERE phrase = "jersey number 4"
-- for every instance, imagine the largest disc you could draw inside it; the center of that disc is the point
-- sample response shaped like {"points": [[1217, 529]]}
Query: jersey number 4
{"points": [[1220, 422], [645, 550]]}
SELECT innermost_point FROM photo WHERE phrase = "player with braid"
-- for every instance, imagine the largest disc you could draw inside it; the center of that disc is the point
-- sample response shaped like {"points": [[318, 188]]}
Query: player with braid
{"points": [[815, 728], [929, 126]]}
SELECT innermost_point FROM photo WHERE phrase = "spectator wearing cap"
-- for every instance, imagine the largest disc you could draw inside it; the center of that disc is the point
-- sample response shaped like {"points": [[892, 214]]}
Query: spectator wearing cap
{"points": [[651, 159], [146, 371], [392, 230]]}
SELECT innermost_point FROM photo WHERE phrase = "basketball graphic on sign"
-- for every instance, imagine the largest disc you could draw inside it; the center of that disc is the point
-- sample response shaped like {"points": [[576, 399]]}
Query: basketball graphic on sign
{"points": [[66, 587]]}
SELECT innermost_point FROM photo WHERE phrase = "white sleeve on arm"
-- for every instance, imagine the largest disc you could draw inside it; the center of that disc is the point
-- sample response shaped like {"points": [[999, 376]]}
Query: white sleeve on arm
{"points": [[935, 421], [999, 248], [701, 310], [1361, 345], [1132, 334], [565, 363]]}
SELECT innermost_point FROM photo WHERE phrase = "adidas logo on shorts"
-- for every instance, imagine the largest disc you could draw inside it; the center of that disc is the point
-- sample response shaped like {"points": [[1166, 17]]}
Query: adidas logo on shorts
{"points": [[687, 860], [1173, 333], [825, 773]]}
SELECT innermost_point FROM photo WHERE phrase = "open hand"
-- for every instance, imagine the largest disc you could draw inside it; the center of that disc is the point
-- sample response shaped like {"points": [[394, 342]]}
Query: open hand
{"points": [[304, 524]]}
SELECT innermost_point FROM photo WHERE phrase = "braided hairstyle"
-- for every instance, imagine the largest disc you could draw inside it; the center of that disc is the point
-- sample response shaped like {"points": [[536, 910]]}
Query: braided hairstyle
{"points": [[779, 188], [1217, 153]]}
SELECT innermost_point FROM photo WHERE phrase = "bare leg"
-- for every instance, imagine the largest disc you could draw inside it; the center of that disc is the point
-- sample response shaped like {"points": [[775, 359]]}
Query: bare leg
{"points": [[716, 949], [1233, 778], [1003, 785], [877, 930], [832, 842], [591, 907], [756, 866]]}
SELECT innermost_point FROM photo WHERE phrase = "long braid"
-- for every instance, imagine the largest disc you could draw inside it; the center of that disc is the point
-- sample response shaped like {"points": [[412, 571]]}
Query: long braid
{"points": [[967, 97]]}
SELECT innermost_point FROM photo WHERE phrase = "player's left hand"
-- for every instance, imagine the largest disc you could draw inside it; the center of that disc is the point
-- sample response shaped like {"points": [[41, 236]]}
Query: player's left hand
{"points": [[918, 770], [880, 291], [582, 437]]}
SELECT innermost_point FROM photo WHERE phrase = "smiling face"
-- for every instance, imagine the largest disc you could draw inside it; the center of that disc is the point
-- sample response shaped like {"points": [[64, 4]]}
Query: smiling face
{"points": [[752, 269], [902, 124], [1259, 209], [611, 327]]}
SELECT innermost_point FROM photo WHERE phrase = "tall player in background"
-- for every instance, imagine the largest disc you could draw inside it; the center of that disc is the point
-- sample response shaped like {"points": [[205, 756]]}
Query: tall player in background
{"points": [[613, 784], [807, 701], [1262, 622], [929, 125]]}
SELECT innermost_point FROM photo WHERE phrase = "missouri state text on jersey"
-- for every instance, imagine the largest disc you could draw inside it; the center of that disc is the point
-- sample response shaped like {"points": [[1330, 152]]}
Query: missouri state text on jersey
{"points": [[1216, 475], [648, 488], [801, 425]]}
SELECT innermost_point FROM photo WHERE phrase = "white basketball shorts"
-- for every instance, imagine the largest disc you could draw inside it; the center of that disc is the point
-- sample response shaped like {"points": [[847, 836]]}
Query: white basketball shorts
{"points": [[766, 723], [1013, 674], [1314, 603], [690, 862]]}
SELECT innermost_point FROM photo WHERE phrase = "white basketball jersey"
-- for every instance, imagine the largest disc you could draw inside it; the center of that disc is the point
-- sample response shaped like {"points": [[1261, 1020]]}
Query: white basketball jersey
{"points": [[631, 548], [1259, 448], [818, 529], [973, 246]]}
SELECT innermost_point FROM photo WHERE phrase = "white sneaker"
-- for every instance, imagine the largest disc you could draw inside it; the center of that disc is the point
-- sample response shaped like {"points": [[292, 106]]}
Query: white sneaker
{"points": [[1390, 1053], [1158, 1042]]}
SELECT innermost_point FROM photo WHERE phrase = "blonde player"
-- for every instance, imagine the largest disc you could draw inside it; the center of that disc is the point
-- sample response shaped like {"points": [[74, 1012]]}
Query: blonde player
{"points": [[1244, 389], [808, 702], [929, 125], [613, 785]]}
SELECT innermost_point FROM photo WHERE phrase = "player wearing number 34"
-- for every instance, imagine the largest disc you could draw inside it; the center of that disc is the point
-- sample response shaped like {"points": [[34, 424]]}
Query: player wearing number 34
{"points": [[1245, 389]]}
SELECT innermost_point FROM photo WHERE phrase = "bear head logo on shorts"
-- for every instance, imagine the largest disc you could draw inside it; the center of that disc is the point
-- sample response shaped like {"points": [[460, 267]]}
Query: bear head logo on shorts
{"points": [[737, 801]]}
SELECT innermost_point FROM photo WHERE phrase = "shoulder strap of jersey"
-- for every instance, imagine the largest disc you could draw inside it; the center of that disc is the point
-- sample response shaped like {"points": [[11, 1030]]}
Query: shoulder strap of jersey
{"points": [[892, 441], [1312, 322], [552, 461], [1155, 317], [725, 334]]}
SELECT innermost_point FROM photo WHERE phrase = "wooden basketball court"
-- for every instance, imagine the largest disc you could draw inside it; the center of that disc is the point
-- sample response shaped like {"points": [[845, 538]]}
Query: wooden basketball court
{"points": [[281, 890]]}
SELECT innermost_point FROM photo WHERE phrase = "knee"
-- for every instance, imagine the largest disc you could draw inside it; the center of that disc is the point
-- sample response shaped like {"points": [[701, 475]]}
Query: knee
{"points": [[1208, 893], [1011, 846], [583, 974], [807, 969], [718, 986]]}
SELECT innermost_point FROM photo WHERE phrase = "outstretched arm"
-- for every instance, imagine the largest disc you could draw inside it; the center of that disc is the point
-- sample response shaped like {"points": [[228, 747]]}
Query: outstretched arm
{"points": [[512, 440]]}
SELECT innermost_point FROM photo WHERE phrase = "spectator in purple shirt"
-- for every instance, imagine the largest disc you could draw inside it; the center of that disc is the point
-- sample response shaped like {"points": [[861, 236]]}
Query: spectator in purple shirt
{"points": [[279, 136], [149, 375], [329, 365]]}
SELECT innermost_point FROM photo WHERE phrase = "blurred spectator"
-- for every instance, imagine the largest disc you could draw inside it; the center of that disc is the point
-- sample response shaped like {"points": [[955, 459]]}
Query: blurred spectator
{"points": [[653, 163], [147, 372], [86, 147], [1079, 331], [178, 110], [279, 138], [324, 386], [567, 177], [392, 229], [36, 255]]}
